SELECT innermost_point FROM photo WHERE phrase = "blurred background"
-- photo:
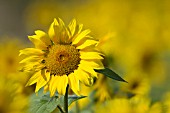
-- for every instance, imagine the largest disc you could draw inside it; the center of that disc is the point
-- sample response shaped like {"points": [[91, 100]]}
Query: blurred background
{"points": [[134, 35]]}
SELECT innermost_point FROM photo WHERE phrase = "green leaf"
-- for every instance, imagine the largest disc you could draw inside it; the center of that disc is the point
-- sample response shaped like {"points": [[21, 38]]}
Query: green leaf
{"points": [[43, 103], [111, 74], [72, 98]]}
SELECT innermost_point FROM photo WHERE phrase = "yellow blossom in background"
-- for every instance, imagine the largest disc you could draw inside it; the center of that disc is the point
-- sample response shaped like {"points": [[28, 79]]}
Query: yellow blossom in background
{"points": [[156, 108], [14, 97], [146, 60], [22, 78], [137, 104], [138, 84], [11, 99], [9, 59], [102, 89], [9, 66], [64, 56], [114, 106]]}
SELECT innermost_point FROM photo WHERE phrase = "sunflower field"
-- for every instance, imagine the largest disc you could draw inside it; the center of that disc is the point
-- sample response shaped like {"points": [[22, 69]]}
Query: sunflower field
{"points": [[84, 56]]}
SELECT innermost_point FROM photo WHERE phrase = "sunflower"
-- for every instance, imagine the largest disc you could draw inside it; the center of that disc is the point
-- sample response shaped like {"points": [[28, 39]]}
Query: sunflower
{"points": [[139, 84], [64, 56]]}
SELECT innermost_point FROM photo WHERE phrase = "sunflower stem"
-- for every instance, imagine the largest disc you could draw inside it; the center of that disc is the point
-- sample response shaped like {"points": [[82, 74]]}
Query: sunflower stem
{"points": [[66, 100]]}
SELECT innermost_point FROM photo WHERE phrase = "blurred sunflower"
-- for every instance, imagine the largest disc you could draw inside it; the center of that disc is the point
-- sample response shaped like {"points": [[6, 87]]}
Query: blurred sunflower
{"points": [[9, 56], [114, 106], [9, 65], [11, 100], [156, 108], [136, 104], [64, 56], [21, 78], [137, 84], [101, 87], [142, 104]]}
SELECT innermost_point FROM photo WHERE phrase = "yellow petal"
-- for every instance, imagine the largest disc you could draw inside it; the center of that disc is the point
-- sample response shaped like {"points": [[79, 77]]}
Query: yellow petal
{"points": [[37, 42], [46, 88], [40, 84], [79, 28], [38, 67], [51, 31], [88, 69], [87, 43], [30, 66], [45, 74], [72, 26], [84, 77], [96, 64], [74, 83], [64, 36], [43, 37], [90, 55], [53, 84], [31, 51], [58, 83], [80, 36], [63, 33], [61, 88], [34, 78], [41, 81], [58, 32], [61, 23], [31, 59]]}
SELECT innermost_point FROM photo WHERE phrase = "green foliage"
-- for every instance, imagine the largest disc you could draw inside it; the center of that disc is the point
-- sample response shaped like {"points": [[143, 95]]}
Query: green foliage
{"points": [[111, 74], [43, 103]]}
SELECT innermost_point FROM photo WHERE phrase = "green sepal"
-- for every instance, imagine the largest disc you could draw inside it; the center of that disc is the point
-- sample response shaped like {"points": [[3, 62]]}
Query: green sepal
{"points": [[111, 74]]}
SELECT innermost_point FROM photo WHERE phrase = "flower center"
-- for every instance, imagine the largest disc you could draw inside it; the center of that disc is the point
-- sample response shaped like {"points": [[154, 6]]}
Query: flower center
{"points": [[62, 59]]}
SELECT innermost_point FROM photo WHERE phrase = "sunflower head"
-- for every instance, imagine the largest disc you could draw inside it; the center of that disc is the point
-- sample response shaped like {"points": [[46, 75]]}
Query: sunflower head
{"points": [[62, 59], [66, 55]]}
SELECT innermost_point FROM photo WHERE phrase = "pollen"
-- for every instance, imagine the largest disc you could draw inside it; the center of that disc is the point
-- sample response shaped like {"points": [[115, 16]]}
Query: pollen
{"points": [[62, 59]]}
